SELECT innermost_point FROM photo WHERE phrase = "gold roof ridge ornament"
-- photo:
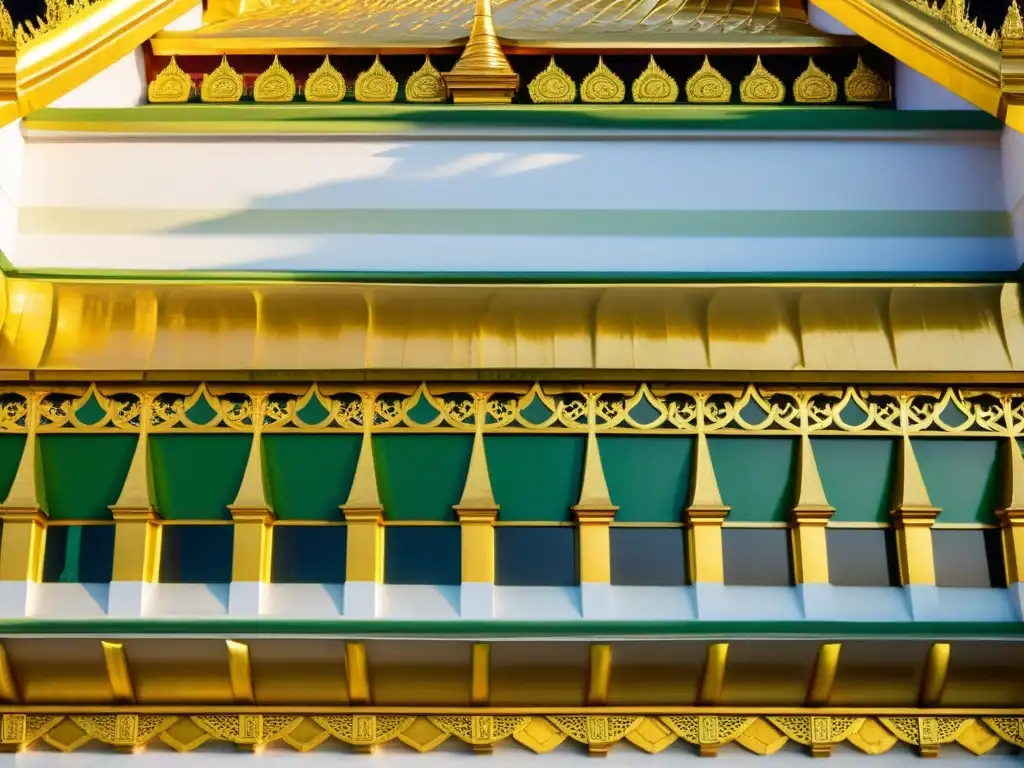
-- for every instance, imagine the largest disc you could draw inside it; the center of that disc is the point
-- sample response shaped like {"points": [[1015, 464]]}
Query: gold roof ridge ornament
{"points": [[954, 14], [426, 84], [815, 86], [1013, 25], [482, 75], [866, 85], [376, 84], [222, 86], [761, 86], [325, 84], [655, 86], [602, 86], [552, 86], [172, 86], [708, 86], [6, 25], [276, 84]]}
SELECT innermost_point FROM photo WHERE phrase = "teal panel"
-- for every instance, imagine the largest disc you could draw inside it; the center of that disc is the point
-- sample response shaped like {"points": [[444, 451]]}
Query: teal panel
{"points": [[857, 474], [755, 476], [535, 478], [421, 477], [195, 477], [648, 477], [310, 475], [962, 477], [83, 473], [11, 448]]}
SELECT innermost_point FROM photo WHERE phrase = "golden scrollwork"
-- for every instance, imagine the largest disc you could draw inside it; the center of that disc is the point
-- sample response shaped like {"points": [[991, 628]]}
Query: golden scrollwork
{"points": [[761, 86], [708, 409], [602, 86], [815, 86], [325, 84], [926, 733], [364, 730], [1013, 25], [480, 730], [276, 84], [552, 86], [655, 86], [866, 85], [820, 733], [376, 84], [222, 86], [954, 14], [426, 85], [6, 24], [172, 86], [708, 86]]}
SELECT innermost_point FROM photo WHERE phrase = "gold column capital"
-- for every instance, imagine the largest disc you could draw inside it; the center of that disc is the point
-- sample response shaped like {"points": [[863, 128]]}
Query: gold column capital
{"points": [[595, 515]]}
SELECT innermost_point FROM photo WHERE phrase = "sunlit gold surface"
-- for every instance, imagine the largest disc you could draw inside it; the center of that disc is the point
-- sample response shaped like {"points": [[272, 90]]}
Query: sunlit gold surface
{"points": [[73, 329]]}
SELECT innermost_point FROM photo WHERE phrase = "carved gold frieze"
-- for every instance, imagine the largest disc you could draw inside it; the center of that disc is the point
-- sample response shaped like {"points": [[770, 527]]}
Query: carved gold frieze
{"points": [[954, 13], [708, 86], [761, 86], [171, 86], [376, 84], [552, 86], [762, 735], [222, 86], [602, 86], [425, 85], [276, 84], [866, 85], [325, 84], [654, 86], [815, 86]]}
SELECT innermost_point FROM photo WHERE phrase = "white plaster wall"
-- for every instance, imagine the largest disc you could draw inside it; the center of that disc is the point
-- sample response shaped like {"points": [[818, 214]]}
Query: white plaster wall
{"points": [[1013, 181], [825, 22], [12, 161], [915, 91], [122, 84]]}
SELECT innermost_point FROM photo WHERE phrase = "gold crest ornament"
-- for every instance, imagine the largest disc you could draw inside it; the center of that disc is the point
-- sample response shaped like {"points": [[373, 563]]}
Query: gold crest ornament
{"points": [[275, 85], [6, 25], [866, 85], [425, 85], [602, 86], [815, 86], [171, 86], [552, 86], [1013, 25], [761, 86], [223, 85], [376, 84], [708, 86], [655, 86], [325, 84]]}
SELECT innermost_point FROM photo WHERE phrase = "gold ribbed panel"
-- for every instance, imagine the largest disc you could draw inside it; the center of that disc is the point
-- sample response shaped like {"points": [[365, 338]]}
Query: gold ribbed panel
{"points": [[63, 327]]}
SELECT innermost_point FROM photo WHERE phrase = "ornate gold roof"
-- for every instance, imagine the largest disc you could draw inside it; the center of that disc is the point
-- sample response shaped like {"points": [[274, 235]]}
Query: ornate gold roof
{"points": [[419, 24]]}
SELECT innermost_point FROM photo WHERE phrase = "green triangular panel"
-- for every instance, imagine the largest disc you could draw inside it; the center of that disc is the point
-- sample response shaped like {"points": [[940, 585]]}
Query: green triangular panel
{"points": [[310, 474], [90, 412], [83, 473], [11, 448], [857, 474], [535, 478], [420, 477], [195, 477], [962, 477], [756, 476], [201, 412], [648, 477]]}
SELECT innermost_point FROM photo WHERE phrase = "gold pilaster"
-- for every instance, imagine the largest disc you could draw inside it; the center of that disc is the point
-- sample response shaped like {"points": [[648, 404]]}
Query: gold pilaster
{"points": [[704, 518], [480, 682], [118, 673], [935, 673], [250, 511], [477, 510], [240, 672], [810, 515], [364, 512], [137, 530], [825, 667], [714, 674], [913, 516], [482, 75], [594, 512], [8, 688], [1011, 516], [23, 543], [600, 675], [357, 674]]}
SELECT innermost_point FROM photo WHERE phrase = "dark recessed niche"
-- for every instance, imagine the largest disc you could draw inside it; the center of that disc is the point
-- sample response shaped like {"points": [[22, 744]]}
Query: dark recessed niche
{"points": [[535, 556], [648, 557], [862, 557], [309, 554], [197, 554], [757, 557], [423, 554], [968, 557], [79, 553]]}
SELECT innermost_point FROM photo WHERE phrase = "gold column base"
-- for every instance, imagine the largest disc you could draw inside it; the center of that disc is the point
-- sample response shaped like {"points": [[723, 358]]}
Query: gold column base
{"points": [[914, 543], [23, 543], [481, 87], [810, 549], [477, 525], [365, 549], [595, 542], [137, 543], [704, 537]]}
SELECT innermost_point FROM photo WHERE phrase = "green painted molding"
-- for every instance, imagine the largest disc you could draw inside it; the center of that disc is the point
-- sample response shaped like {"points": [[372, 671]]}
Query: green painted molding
{"points": [[536, 630], [400, 118]]}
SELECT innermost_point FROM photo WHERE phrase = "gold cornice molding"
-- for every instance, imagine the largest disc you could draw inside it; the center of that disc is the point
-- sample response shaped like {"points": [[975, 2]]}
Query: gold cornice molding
{"points": [[70, 329]]}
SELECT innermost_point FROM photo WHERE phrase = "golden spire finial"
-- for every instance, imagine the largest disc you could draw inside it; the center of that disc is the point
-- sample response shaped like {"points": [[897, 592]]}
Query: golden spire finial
{"points": [[1013, 25], [482, 75], [6, 25]]}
